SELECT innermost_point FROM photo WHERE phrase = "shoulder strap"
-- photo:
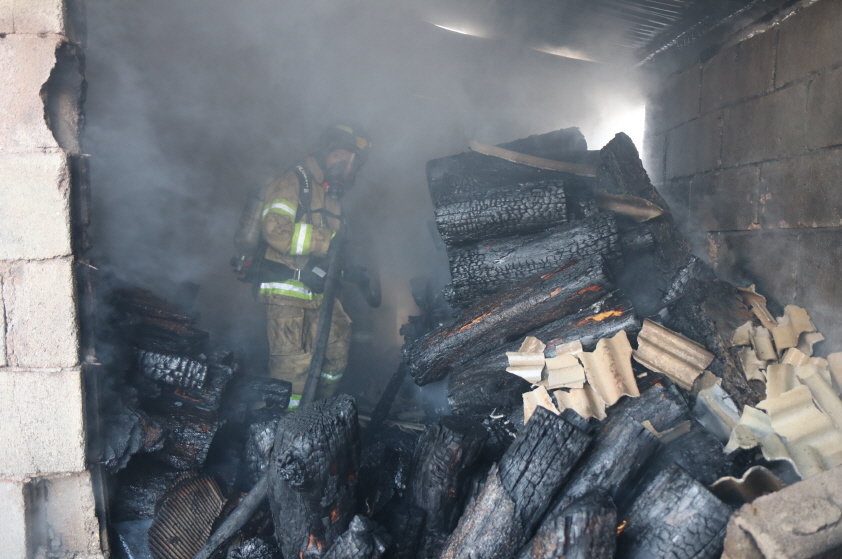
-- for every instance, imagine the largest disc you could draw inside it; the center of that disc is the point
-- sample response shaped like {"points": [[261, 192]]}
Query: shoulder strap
{"points": [[305, 194]]}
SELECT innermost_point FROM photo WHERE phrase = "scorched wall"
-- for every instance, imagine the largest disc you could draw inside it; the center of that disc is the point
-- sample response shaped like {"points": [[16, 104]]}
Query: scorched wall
{"points": [[747, 147]]}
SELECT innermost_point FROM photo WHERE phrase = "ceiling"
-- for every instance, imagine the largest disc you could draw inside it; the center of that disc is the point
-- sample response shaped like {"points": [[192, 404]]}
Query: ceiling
{"points": [[596, 30]]}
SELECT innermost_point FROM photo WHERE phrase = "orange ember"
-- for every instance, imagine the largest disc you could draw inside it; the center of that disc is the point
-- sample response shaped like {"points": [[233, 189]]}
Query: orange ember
{"points": [[555, 292], [599, 317], [313, 544], [334, 515], [473, 323], [622, 527], [589, 288]]}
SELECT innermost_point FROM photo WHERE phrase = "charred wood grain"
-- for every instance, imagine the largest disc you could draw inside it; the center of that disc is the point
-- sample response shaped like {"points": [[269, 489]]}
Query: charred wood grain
{"points": [[524, 208], [189, 434], [470, 175], [708, 313], [252, 548], [505, 317], [613, 463], [519, 489], [699, 453], [587, 529], [621, 172], [362, 540], [600, 319], [483, 389], [483, 269], [313, 476], [663, 405], [673, 516], [443, 456], [177, 370]]}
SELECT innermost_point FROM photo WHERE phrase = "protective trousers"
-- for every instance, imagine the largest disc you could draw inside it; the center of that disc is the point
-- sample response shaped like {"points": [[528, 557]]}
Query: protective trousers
{"points": [[291, 331]]}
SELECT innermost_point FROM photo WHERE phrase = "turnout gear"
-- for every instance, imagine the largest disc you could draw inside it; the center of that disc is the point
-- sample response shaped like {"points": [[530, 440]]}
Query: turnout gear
{"points": [[298, 221]]}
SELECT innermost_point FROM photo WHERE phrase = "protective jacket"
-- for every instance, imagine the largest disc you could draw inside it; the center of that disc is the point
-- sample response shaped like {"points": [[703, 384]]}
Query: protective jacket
{"points": [[293, 234]]}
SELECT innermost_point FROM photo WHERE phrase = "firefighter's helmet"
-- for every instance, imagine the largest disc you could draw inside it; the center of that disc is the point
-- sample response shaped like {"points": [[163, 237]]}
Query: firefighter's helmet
{"points": [[345, 136]]}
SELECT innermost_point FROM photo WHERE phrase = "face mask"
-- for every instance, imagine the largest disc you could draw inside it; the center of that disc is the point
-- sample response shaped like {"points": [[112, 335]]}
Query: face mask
{"points": [[340, 175]]}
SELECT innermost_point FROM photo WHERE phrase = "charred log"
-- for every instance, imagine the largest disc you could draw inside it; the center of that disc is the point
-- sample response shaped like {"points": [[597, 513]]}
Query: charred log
{"points": [[404, 523], [444, 453], [363, 540], [189, 437], [505, 317], [471, 175], [151, 323], [524, 208], [313, 476], [482, 385], [664, 406], [258, 447], [699, 453], [672, 494], [587, 529], [485, 268], [518, 490], [138, 488], [126, 431], [622, 172], [177, 370], [616, 458], [709, 313], [484, 389], [252, 548], [385, 468]]}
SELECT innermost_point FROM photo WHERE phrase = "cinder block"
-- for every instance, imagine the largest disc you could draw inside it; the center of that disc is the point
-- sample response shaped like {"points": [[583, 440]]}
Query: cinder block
{"points": [[25, 62], [39, 16], [818, 287], [13, 520], [677, 101], [41, 422], [744, 70], [824, 110], [34, 203], [765, 128], [809, 41], [66, 514], [2, 326], [766, 258], [802, 191], [801, 520], [676, 193], [694, 147], [726, 200], [41, 325], [7, 16]]}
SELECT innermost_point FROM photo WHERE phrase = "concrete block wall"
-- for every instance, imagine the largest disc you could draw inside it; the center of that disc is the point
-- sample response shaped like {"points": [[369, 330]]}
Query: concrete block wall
{"points": [[747, 148], [47, 496]]}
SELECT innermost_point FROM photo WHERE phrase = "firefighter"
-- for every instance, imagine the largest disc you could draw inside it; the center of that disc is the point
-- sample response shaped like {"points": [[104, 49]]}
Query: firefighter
{"points": [[301, 214]]}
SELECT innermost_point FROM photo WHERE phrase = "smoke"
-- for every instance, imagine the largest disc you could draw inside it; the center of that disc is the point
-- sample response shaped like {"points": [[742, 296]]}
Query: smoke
{"points": [[192, 104]]}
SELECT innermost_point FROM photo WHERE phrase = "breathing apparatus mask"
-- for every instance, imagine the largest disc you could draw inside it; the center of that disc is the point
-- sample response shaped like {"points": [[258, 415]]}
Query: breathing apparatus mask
{"points": [[340, 174]]}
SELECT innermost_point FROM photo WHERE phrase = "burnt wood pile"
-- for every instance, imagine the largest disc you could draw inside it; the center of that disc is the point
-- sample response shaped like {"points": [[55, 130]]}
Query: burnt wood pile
{"points": [[565, 267], [174, 412]]}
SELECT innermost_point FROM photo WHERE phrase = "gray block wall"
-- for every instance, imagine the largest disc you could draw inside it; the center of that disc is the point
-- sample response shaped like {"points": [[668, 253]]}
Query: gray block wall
{"points": [[46, 491], [747, 148]]}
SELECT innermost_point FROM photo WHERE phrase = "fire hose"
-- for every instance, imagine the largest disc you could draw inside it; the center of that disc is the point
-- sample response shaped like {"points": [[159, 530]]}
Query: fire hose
{"points": [[251, 501]]}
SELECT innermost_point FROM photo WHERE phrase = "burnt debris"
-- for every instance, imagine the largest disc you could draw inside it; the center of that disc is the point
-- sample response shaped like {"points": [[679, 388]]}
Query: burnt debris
{"points": [[572, 274]]}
